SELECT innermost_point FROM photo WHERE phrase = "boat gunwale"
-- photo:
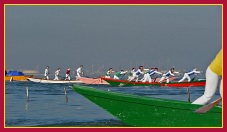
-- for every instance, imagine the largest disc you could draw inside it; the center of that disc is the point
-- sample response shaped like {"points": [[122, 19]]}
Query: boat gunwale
{"points": [[114, 82]]}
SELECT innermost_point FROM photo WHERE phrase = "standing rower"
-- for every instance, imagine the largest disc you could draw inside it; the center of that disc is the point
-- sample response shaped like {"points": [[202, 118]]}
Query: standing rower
{"points": [[213, 74], [56, 74], [79, 71], [67, 74], [46, 73]]}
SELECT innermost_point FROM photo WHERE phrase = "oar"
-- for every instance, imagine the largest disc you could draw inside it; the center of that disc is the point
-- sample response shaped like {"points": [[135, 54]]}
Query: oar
{"points": [[206, 108], [123, 75], [193, 79]]}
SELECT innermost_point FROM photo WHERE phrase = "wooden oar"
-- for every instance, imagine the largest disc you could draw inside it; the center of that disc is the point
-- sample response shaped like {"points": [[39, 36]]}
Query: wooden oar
{"points": [[206, 108], [123, 75], [193, 79]]}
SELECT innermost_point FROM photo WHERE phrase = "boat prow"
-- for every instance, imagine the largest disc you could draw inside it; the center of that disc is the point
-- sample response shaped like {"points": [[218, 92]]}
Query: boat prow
{"points": [[141, 111]]}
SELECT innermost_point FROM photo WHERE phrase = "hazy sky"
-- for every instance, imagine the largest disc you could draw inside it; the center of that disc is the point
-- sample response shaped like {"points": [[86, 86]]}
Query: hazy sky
{"points": [[112, 36]]}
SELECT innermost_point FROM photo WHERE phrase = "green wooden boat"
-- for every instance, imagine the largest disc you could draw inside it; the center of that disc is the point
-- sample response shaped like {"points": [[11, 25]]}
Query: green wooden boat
{"points": [[140, 111]]}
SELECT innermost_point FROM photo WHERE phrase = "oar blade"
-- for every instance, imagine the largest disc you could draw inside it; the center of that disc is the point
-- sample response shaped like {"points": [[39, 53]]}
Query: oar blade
{"points": [[206, 108]]}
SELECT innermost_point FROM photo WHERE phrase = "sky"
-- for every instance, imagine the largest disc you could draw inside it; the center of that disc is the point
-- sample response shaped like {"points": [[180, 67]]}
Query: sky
{"points": [[121, 37]]}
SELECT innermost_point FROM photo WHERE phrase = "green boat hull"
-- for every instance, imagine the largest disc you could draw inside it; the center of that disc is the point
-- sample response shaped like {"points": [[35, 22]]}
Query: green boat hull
{"points": [[142, 111]]}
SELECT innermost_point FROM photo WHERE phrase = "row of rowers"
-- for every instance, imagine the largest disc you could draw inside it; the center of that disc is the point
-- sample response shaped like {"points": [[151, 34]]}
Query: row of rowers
{"points": [[134, 74]]}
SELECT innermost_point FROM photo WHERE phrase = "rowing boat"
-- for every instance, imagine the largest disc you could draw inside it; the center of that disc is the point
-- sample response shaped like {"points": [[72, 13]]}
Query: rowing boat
{"points": [[87, 80], [40, 80], [140, 111], [118, 82]]}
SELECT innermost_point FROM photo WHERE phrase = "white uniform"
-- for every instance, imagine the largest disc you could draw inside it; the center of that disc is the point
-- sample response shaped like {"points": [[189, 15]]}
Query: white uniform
{"points": [[46, 73], [166, 76], [213, 74], [131, 74], [56, 74], [136, 75], [147, 76], [188, 74], [79, 72]]}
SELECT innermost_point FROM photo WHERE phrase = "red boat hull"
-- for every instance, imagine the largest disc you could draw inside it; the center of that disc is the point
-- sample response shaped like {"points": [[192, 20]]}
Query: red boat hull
{"points": [[185, 84]]}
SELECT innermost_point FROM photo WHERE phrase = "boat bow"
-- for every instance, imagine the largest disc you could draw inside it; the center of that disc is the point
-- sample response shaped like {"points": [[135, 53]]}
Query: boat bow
{"points": [[142, 111]]}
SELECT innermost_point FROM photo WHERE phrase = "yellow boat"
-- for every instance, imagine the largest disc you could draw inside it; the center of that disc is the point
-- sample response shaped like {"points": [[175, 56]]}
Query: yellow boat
{"points": [[16, 76]]}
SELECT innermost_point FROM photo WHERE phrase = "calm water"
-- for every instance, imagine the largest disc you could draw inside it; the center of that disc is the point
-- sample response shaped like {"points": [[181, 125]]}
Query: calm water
{"points": [[46, 105]]}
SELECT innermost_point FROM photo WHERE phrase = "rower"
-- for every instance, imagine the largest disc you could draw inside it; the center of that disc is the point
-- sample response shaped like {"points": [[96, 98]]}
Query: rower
{"points": [[167, 75], [188, 74], [213, 74], [147, 76], [120, 73], [67, 74], [131, 73], [109, 72], [136, 74]]}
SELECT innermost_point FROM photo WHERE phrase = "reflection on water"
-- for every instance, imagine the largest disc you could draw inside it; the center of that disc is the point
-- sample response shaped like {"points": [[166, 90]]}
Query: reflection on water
{"points": [[27, 105]]}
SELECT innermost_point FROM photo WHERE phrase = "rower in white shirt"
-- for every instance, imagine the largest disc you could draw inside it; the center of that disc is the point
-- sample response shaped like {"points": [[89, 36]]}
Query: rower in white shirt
{"points": [[56, 74], [167, 75], [147, 76], [188, 74], [80, 71], [131, 73], [136, 74]]}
